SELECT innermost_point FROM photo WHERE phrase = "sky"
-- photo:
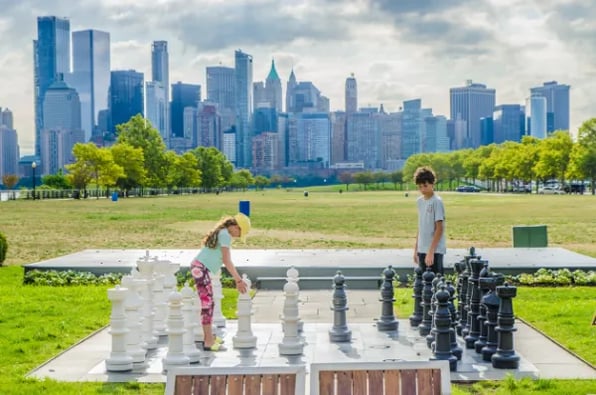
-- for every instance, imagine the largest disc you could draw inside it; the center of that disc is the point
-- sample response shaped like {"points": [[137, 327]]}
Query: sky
{"points": [[397, 49]]}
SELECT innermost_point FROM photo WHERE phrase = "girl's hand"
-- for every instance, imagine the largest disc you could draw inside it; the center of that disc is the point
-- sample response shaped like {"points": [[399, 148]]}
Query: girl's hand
{"points": [[240, 285]]}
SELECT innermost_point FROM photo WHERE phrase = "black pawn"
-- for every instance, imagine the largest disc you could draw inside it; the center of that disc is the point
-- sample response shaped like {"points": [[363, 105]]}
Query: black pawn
{"points": [[476, 265], [416, 317], [455, 348], [505, 357], [427, 293], [339, 332], [387, 322], [442, 348], [491, 302]]}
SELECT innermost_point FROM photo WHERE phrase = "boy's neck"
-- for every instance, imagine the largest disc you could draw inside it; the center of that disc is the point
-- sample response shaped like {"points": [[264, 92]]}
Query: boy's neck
{"points": [[429, 195]]}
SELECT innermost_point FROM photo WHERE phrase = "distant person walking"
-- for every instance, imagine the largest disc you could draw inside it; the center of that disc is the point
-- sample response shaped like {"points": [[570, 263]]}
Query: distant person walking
{"points": [[215, 251], [430, 238]]}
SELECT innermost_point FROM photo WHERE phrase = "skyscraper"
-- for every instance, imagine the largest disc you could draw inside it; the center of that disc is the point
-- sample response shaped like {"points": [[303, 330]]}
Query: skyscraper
{"points": [[51, 53], [273, 89], [244, 106], [9, 147], [62, 126], [183, 95], [290, 85], [91, 76], [155, 106], [160, 72], [351, 95], [471, 103], [557, 104], [126, 96], [221, 84], [536, 111], [508, 123]]}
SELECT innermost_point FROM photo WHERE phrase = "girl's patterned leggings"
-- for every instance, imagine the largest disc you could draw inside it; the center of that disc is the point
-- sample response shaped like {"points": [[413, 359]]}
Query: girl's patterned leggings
{"points": [[203, 283]]}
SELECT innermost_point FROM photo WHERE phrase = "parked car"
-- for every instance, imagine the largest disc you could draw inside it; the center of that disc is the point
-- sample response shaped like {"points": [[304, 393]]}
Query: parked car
{"points": [[467, 188], [550, 190]]}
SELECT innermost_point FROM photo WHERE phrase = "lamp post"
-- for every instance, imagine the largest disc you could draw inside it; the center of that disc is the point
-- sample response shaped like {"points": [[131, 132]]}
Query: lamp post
{"points": [[33, 166]]}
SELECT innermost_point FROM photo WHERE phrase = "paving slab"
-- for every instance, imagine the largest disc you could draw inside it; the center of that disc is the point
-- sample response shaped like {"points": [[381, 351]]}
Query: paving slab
{"points": [[539, 356]]}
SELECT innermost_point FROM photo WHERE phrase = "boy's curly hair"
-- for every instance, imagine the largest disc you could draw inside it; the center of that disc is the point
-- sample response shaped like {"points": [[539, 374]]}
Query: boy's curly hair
{"points": [[424, 174]]}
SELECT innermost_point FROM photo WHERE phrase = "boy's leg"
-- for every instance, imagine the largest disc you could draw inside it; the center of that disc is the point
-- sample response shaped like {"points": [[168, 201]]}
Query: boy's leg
{"points": [[438, 264]]}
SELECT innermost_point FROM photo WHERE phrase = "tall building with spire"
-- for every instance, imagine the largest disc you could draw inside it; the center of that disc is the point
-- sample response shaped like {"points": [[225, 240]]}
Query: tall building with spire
{"points": [[351, 95], [51, 52], [273, 92], [290, 86]]}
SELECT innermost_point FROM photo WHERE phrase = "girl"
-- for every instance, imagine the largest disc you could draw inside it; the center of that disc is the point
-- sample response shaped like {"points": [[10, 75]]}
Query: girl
{"points": [[215, 251]]}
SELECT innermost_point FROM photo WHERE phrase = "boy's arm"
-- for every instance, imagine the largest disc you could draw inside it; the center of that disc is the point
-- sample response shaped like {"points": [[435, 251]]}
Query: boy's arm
{"points": [[436, 237]]}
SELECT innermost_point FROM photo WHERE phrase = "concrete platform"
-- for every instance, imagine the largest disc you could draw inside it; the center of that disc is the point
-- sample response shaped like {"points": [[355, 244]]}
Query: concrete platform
{"points": [[323, 262], [540, 357]]}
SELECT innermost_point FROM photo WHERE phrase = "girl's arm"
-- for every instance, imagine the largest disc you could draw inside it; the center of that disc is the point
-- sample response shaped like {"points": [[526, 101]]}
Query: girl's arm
{"points": [[227, 260]]}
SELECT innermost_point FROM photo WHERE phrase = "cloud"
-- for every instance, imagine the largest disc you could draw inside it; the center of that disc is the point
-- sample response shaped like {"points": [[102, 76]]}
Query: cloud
{"points": [[397, 49]]}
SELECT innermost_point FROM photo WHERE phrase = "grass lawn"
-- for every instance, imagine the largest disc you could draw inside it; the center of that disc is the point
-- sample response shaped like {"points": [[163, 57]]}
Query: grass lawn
{"points": [[38, 322]]}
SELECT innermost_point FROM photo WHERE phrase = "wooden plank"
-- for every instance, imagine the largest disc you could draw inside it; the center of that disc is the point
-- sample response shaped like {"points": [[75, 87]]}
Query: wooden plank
{"points": [[436, 373], [359, 379], [375, 381], [424, 381], [252, 385], [344, 382], [269, 384], [392, 382], [200, 385], [326, 383], [287, 384], [408, 381], [235, 384], [183, 385], [218, 385]]}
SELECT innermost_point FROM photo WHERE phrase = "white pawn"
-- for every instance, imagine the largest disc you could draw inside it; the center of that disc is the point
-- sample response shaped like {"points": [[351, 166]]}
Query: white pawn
{"points": [[132, 307], [291, 343], [175, 355], [244, 338], [219, 321], [190, 323], [292, 276], [197, 306], [119, 359]]}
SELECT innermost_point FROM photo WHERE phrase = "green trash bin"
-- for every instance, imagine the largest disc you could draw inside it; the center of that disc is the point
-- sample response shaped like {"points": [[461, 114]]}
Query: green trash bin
{"points": [[530, 236]]}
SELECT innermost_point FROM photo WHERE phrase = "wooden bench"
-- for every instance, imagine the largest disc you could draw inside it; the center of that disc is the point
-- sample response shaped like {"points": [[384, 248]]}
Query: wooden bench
{"points": [[236, 380], [380, 378]]}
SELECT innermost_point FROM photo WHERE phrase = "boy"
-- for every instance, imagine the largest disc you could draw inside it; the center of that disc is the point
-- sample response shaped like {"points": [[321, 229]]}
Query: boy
{"points": [[430, 239]]}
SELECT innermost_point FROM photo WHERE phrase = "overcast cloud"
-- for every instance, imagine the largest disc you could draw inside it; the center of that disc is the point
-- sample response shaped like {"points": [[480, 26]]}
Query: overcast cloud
{"points": [[398, 50]]}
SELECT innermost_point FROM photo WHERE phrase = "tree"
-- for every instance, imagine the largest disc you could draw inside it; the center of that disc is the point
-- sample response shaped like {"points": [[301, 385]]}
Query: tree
{"points": [[261, 182], [364, 178], [583, 154], [57, 181], [132, 160], [96, 164], [215, 168], [9, 181], [553, 156], [140, 134], [397, 177], [242, 179], [183, 171], [346, 178]]}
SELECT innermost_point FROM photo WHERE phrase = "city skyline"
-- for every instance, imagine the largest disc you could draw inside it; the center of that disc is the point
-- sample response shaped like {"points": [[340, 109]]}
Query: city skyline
{"points": [[397, 52]]}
